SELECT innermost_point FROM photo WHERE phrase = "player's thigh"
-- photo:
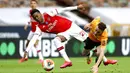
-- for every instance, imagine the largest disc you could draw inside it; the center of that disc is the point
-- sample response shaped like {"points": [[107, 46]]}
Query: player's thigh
{"points": [[64, 36], [40, 37], [78, 33], [38, 31]]}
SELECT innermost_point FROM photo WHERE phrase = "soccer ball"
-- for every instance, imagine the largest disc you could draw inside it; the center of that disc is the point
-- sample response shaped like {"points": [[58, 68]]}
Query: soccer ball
{"points": [[48, 64]]}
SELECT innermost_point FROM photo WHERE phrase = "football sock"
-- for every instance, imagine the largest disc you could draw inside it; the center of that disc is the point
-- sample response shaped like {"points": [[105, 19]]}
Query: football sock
{"points": [[64, 55], [91, 53], [104, 59], [40, 55], [60, 48], [26, 56], [39, 51]]}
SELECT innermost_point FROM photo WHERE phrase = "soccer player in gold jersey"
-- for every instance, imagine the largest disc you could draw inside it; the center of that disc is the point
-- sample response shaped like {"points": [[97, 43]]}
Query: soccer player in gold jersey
{"points": [[98, 36]]}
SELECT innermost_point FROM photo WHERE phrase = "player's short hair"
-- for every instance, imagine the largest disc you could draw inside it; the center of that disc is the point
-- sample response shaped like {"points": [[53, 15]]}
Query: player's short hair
{"points": [[34, 1], [102, 26], [33, 11]]}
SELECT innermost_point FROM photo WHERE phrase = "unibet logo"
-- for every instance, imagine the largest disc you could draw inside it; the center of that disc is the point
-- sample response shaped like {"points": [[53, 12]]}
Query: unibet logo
{"points": [[110, 47], [7, 48], [78, 47]]}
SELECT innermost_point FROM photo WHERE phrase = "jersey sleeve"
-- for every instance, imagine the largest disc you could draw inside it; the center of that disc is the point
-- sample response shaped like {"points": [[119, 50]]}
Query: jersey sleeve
{"points": [[57, 11]]}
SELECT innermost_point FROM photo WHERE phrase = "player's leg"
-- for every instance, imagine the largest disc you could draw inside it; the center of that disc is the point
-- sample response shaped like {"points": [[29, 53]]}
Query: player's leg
{"points": [[89, 45], [39, 50], [30, 35], [31, 43], [78, 33], [58, 43], [89, 57]]}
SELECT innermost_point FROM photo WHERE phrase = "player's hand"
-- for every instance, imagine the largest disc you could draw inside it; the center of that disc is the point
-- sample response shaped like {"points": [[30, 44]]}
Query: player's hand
{"points": [[25, 27], [81, 7], [87, 27], [94, 69]]}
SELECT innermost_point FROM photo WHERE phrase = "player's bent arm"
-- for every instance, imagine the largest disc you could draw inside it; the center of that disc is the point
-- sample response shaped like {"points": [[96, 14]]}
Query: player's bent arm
{"points": [[26, 26], [100, 56], [102, 49]]}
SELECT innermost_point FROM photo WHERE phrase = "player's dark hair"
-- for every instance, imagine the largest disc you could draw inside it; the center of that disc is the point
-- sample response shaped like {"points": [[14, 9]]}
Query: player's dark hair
{"points": [[34, 1], [102, 26], [33, 11]]}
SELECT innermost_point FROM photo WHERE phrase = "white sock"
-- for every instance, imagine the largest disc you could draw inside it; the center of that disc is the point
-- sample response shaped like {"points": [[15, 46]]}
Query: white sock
{"points": [[40, 55], [104, 59], [26, 57], [91, 53], [39, 52], [58, 44], [64, 55]]}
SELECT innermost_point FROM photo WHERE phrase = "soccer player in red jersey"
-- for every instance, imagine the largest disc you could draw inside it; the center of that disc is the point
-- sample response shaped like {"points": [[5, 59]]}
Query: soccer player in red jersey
{"points": [[65, 29], [33, 23]]}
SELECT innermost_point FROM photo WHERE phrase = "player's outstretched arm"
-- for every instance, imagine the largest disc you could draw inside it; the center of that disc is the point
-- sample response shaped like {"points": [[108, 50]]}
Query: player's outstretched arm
{"points": [[79, 7], [95, 67], [57, 11]]}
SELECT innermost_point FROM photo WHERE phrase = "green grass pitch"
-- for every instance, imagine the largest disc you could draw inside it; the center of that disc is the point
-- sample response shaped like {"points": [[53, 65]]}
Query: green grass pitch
{"points": [[79, 66]]}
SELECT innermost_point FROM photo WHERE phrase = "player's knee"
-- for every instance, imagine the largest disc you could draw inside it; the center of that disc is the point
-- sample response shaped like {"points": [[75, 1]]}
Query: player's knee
{"points": [[98, 53], [36, 43], [56, 39], [62, 38]]}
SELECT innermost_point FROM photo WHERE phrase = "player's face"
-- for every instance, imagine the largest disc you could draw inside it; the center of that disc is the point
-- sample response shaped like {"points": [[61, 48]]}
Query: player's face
{"points": [[98, 32], [33, 4], [38, 17]]}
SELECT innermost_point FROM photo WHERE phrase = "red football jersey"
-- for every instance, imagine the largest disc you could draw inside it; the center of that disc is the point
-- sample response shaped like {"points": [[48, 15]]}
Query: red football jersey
{"points": [[54, 24], [33, 23]]}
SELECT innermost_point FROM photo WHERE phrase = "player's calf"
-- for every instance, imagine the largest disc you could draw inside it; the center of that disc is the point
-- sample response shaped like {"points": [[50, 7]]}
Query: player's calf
{"points": [[85, 52]]}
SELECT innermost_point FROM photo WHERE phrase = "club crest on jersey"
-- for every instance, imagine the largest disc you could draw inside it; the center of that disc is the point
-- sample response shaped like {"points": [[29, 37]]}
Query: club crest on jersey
{"points": [[46, 23]]}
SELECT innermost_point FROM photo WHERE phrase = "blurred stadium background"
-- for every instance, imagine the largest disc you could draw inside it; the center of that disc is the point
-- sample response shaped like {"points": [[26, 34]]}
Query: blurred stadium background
{"points": [[14, 15]]}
